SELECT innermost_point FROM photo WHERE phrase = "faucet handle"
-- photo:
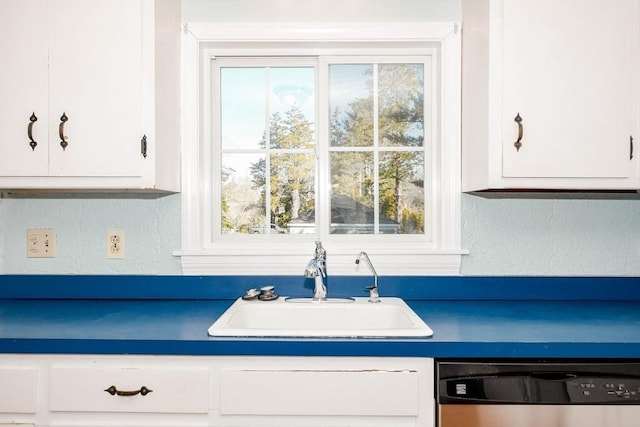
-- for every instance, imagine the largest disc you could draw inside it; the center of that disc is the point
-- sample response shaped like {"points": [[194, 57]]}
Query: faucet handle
{"points": [[373, 293]]}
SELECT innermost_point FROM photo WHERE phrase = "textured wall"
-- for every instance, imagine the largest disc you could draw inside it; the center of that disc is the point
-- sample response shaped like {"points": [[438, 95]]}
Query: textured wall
{"points": [[504, 236], [551, 236], [151, 227]]}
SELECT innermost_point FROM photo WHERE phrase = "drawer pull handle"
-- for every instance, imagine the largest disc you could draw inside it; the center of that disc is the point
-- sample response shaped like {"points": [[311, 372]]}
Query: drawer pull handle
{"points": [[518, 144], [63, 138], [143, 146], [114, 391], [32, 142]]}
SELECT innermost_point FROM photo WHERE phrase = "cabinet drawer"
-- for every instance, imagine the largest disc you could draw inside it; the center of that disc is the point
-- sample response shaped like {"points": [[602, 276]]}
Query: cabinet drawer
{"points": [[129, 390], [18, 390], [366, 393]]}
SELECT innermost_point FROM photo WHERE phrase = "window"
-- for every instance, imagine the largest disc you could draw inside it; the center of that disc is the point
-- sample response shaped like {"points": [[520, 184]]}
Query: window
{"points": [[351, 139], [268, 156], [264, 146]]}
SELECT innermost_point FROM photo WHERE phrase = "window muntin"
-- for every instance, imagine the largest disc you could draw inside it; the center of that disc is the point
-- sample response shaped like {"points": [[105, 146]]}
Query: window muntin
{"points": [[376, 154]]}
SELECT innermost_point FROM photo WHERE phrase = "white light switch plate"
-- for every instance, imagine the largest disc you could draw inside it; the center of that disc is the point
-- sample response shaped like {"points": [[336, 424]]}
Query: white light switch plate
{"points": [[41, 243]]}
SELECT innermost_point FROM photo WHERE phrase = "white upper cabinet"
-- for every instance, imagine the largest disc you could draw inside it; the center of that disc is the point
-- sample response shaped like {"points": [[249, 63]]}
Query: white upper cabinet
{"points": [[24, 89], [550, 95], [95, 79], [80, 104]]}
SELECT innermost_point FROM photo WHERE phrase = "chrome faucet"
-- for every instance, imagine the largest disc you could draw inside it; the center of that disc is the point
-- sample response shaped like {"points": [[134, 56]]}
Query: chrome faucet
{"points": [[374, 296], [317, 268]]}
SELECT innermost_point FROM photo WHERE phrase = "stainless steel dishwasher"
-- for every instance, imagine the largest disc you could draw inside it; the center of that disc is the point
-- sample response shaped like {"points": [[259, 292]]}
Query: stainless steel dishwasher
{"points": [[538, 394]]}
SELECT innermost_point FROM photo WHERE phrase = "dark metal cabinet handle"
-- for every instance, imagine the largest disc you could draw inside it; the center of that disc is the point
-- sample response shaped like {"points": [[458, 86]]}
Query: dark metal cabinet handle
{"points": [[518, 144], [63, 139], [32, 142], [143, 146], [114, 391], [631, 147]]}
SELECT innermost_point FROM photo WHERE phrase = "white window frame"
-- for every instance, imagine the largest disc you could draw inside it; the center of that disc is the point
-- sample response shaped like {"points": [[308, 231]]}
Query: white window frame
{"points": [[269, 256]]}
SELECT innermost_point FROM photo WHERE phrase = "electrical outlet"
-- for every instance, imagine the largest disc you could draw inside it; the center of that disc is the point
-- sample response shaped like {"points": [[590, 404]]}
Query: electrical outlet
{"points": [[115, 243], [41, 243]]}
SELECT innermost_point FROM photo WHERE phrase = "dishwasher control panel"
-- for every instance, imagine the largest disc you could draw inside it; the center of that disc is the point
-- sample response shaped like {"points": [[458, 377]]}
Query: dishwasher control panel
{"points": [[603, 389], [538, 384]]}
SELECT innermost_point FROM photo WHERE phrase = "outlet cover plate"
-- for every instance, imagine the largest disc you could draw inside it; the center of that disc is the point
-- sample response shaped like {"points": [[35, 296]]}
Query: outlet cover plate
{"points": [[115, 243]]}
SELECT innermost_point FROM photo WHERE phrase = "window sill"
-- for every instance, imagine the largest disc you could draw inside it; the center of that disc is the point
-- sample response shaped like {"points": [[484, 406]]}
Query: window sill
{"points": [[339, 262]]}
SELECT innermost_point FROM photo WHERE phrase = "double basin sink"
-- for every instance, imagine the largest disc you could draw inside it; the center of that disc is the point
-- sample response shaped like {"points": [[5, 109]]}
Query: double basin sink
{"points": [[333, 318]]}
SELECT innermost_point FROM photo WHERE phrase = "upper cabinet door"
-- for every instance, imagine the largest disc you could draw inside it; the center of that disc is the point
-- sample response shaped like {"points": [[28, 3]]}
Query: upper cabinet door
{"points": [[23, 88], [551, 94], [95, 80], [89, 95], [568, 74]]}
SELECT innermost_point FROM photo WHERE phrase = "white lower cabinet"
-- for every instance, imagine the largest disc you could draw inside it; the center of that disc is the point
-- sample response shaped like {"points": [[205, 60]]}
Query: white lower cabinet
{"points": [[129, 389], [226, 391], [21, 396], [315, 391], [19, 392]]}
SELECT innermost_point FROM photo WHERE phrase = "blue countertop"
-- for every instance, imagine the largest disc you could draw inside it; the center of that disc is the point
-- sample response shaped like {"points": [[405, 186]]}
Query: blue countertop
{"points": [[472, 317], [462, 329]]}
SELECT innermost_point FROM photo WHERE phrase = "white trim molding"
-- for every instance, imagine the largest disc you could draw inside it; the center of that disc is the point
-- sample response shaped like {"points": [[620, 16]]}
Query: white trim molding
{"points": [[441, 256]]}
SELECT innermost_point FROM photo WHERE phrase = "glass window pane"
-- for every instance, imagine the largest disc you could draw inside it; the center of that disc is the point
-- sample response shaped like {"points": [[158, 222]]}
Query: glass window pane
{"points": [[401, 105], [352, 193], [292, 87], [292, 191], [351, 105], [243, 193], [401, 192], [268, 151], [243, 107]]}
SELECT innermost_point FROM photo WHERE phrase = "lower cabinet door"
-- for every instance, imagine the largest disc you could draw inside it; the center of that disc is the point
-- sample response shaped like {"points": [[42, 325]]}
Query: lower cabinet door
{"points": [[345, 393], [18, 391], [323, 392]]}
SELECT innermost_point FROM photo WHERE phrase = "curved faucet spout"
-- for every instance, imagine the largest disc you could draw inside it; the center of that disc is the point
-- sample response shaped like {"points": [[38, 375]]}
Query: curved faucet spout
{"points": [[320, 256], [373, 290]]}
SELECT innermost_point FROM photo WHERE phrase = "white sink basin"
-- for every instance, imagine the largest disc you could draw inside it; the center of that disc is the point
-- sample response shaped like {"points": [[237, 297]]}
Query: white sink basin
{"points": [[391, 317]]}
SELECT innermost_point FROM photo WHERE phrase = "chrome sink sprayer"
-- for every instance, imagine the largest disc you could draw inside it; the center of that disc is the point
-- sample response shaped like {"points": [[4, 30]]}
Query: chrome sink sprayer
{"points": [[374, 296], [317, 269]]}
